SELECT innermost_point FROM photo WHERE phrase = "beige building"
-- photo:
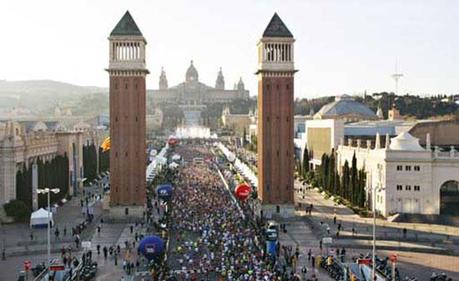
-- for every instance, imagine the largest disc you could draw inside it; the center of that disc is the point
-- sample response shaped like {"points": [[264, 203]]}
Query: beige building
{"points": [[192, 91], [154, 121], [404, 177], [238, 122], [23, 142]]}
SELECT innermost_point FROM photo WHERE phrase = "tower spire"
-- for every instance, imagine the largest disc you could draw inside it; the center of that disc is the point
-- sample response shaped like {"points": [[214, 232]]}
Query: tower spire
{"points": [[126, 26], [277, 28]]}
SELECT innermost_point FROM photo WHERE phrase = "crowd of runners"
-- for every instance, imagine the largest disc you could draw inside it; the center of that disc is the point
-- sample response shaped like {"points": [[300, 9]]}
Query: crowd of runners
{"points": [[211, 239]]}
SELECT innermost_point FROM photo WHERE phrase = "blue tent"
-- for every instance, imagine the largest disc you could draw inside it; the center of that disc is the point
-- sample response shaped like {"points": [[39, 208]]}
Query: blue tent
{"points": [[164, 191], [151, 247]]}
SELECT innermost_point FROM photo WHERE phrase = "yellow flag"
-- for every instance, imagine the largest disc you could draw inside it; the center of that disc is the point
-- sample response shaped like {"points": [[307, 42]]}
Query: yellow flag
{"points": [[106, 144]]}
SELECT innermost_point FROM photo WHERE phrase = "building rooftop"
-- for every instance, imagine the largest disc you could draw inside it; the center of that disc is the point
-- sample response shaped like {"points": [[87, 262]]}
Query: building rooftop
{"points": [[405, 141], [126, 26], [277, 28], [345, 105]]}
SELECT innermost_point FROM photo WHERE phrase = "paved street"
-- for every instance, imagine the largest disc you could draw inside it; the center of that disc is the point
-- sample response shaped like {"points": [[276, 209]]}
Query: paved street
{"points": [[415, 251], [299, 234]]}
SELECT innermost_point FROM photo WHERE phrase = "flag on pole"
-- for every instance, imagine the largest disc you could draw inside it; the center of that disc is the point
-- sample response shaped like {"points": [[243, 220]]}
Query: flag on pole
{"points": [[106, 145]]}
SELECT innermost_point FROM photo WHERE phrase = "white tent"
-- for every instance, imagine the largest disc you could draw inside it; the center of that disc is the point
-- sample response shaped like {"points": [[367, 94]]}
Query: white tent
{"points": [[39, 218]]}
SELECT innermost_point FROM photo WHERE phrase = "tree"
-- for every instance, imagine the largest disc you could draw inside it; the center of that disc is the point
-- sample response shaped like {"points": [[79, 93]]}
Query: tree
{"points": [[332, 172], [345, 181], [305, 161], [361, 194], [325, 171], [18, 210], [353, 181]]}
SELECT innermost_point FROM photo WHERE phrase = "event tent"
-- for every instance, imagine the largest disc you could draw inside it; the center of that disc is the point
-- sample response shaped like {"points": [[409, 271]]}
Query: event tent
{"points": [[39, 218]]}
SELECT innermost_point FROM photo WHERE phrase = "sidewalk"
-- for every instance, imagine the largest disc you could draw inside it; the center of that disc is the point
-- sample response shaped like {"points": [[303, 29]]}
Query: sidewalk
{"points": [[16, 237], [299, 234], [327, 208]]}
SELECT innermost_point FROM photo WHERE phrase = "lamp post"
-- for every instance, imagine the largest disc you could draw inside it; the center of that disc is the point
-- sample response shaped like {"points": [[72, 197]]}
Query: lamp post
{"points": [[48, 191], [373, 272]]}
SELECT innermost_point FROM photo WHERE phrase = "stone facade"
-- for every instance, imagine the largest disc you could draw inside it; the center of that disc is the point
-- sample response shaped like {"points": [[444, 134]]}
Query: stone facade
{"points": [[22, 143], [193, 92], [275, 117], [238, 122], [405, 177]]}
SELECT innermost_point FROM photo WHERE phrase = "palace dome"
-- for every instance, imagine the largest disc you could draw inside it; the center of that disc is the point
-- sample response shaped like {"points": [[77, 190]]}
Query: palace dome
{"points": [[191, 73]]}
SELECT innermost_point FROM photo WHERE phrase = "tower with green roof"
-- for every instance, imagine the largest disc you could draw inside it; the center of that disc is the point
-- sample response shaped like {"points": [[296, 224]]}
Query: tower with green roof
{"points": [[127, 71]]}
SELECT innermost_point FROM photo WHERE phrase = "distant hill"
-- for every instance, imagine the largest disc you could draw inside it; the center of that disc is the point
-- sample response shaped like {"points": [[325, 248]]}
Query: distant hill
{"points": [[42, 95], [409, 105]]}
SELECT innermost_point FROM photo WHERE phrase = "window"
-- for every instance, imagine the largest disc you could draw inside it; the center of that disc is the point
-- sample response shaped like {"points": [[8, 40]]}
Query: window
{"points": [[417, 188], [417, 168], [399, 187], [399, 167], [407, 168], [408, 187]]}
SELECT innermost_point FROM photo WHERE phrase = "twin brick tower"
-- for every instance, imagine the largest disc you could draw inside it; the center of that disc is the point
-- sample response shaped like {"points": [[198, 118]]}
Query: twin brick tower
{"points": [[127, 71]]}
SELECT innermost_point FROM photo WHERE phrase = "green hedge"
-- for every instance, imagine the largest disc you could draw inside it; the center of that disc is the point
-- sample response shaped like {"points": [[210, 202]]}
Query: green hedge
{"points": [[18, 210]]}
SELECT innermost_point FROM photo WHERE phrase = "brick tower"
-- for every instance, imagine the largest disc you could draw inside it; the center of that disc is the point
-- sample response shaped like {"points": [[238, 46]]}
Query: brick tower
{"points": [[127, 72], [275, 118]]}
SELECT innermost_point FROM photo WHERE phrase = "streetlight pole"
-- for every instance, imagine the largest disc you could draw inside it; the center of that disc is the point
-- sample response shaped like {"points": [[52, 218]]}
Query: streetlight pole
{"points": [[48, 191], [49, 229], [373, 272]]}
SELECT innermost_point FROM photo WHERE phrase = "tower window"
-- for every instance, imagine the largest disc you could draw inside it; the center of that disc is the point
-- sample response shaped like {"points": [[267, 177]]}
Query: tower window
{"points": [[417, 188], [287, 86], [408, 187], [116, 86], [126, 86], [126, 154], [407, 168], [116, 154], [136, 119], [278, 86]]}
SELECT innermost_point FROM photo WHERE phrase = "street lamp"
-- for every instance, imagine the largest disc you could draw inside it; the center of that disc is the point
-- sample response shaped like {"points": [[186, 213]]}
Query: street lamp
{"points": [[48, 191], [373, 272]]}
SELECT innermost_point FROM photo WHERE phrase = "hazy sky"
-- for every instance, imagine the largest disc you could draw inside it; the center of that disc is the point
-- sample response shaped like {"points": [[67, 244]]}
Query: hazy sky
{"points": [[342, 46]]}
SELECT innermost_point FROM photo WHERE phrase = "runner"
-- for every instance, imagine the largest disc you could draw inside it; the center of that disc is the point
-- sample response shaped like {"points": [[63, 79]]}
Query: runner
{"points": [[210, 239]]}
